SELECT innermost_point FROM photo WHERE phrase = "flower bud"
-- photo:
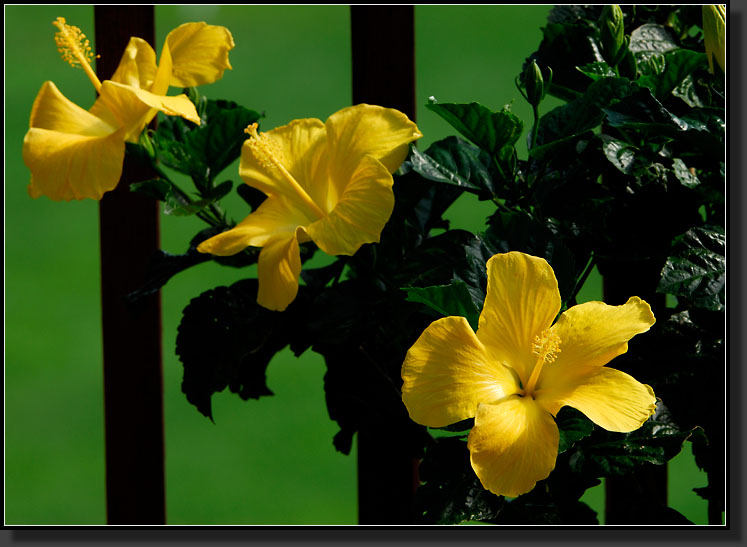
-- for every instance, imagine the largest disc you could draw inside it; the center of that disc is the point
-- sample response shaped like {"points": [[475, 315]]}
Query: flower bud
{"points": [[714, 34], [612, 32], [534, 83]]}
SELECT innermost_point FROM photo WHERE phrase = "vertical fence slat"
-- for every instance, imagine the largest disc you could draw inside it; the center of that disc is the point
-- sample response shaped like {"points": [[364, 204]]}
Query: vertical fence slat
{"points": [[383, 54], [623, 494], [133, 383]]}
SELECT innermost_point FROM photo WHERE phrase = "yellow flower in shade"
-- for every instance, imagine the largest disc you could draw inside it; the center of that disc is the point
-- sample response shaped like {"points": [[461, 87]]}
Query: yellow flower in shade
{"points": [[75, 153], [714, 34], [520, 369], [330, 183]]}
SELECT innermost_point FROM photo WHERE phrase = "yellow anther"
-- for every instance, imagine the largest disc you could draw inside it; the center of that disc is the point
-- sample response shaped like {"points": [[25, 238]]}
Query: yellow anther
{"points": [[264, 148], [270, 156], [546, 346], [75, 48]]}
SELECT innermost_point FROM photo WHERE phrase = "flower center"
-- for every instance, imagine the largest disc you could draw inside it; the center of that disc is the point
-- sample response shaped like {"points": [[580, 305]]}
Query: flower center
{"points": [[546, 347], [266, 152], [75, 49]]}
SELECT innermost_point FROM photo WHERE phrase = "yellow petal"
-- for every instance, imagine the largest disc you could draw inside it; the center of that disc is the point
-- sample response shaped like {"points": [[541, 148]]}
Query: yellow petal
{"points": [[714, 34], [367, 130], [447, 373], [199, 52], [594, 333], [275, 216], [53, 111], [66, 166], [610, 398], [71, 153], [513, 444], [134, 107], [137, 66], [361, 212], [521, 302], [278, 268]]}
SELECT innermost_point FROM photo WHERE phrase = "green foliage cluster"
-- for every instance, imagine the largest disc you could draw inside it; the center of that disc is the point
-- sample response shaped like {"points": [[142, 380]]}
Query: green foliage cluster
{"points": [[627, 175]]}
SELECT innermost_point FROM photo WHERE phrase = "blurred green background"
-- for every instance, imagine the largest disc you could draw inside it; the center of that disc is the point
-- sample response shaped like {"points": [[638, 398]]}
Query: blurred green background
{"points": [[263, 462]]}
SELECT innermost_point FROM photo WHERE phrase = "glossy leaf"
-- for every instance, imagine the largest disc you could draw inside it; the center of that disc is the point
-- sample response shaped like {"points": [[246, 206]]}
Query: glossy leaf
{"points": [[491, 131], [456, 162], [447, 300], [678, 65], [582, 114], [573, 427], [649, 40], [614, 454], [697, 268]]}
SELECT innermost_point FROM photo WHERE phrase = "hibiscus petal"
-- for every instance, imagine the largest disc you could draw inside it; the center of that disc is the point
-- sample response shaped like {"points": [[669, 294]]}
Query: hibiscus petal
{"points": [[71, 153], [447, 373], [593, 333], [513, 444], [275, 216], [610, 398], [199, 52], [360, 214], [521, 302], [53, 111], [134, 107], [278, 269], [367, 130], [137, 66], [65, 166]]}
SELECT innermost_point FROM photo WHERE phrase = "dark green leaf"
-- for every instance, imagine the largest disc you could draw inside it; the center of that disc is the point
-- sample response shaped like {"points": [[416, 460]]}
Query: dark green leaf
{"points": [[566, 44], [225, 339], [179, 205], [697, 268], [608, 454], [520, 232], [455, 161], [687, 91], [683, 174], [448, 300], [651, 39], [155, 188], [491, 131], [573, 427], [678, 65], [624, 156], [641, 110], [582, 114], [163, 266], [597, 70], [204, 151]]}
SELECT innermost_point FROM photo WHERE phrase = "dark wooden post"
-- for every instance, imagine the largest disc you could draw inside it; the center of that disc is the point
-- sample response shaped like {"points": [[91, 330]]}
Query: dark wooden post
{"points": [[383, 52], [623, 494], [133, 383]]}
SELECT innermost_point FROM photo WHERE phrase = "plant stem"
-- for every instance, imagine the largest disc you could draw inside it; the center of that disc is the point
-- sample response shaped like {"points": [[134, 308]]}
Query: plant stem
{"points": [[535, 127]]}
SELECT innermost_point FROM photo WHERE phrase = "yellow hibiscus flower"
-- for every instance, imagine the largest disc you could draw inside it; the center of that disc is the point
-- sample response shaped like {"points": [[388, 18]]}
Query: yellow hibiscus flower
{"points": [[714, 34], [520, 369], [75, 153], [330, 183]]}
